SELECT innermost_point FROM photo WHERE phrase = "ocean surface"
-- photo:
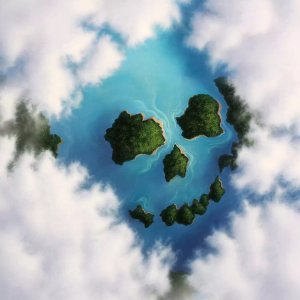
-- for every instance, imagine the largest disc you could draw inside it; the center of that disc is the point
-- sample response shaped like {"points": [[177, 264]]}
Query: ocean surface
{"points": [[156, 79]]}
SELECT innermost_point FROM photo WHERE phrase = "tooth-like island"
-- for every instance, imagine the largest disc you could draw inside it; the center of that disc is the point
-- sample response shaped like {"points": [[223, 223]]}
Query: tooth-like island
{"points": [[186, 214], [140, 214]]}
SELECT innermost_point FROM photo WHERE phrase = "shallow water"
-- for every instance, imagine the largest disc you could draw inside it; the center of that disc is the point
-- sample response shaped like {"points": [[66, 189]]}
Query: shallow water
{"points": [[157, 79]]}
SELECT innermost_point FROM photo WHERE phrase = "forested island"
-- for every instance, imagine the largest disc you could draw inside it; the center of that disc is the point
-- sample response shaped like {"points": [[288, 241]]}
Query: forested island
{"points": [[144, 217], [131, 135], [186, 214], [175, 163], [216, 190], [239, 117], [201, 118]]}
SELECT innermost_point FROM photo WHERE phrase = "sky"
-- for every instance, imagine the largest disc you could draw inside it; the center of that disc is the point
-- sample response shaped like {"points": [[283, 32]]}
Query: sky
{"points": [[62, 238]]}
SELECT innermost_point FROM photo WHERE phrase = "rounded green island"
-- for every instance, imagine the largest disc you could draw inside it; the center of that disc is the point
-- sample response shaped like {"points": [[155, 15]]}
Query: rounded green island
{"points": [[144, 217], [175, 164], [185, 215], [131, 135], [169, 215], [202, 117]]}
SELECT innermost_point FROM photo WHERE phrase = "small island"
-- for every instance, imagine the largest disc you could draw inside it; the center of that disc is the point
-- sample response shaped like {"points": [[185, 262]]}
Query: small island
{"points": [[169, 215], [185, 215], [201, 118], [175, 164], [144, 217], [131, 135], [199, 207], [230, 160], [216, 190]]}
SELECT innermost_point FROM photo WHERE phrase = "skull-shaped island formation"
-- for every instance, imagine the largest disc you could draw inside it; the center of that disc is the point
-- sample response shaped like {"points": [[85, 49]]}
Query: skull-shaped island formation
{"points": [[131, 136]]}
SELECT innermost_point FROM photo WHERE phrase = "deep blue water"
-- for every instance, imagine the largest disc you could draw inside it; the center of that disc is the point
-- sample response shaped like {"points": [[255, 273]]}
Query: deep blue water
{"points": [[156, 79]]}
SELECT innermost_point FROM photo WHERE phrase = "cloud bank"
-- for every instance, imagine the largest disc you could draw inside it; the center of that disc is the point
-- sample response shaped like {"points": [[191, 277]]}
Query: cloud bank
{"points": [[258, 259], [258, 43], [49, 50], [60, 240]]}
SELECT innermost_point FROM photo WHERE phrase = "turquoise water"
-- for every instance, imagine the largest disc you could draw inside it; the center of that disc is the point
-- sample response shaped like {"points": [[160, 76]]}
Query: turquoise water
{"points": [[156, 79]]}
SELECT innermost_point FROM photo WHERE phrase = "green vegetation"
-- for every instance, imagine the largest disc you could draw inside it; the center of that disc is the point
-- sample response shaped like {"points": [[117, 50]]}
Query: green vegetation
{"points": [[199, 207], [239, 117], [229, 160], [131, 135], [204, 200], [32, 131], [175, 163], [185, 215], [139, 214], [169, 215], [216, 190], [238, 114], [201, 118]]}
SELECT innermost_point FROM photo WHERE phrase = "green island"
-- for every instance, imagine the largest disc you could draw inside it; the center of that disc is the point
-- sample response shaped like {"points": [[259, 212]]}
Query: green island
{"points": [[201, 118], [239, 117], [175, 164], [183, 215], [131, 135], [199, 207], [144, 217], [169, 215], [229, 160], [216, 190], [186, 213]]}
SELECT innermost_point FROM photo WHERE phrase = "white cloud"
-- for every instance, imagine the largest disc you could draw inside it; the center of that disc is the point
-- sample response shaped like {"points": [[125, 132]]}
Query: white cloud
{"points": [[103, 60], [257, 260], [39, 40], [137, 20], [258, 41], [271, 158], [60, 240]]}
